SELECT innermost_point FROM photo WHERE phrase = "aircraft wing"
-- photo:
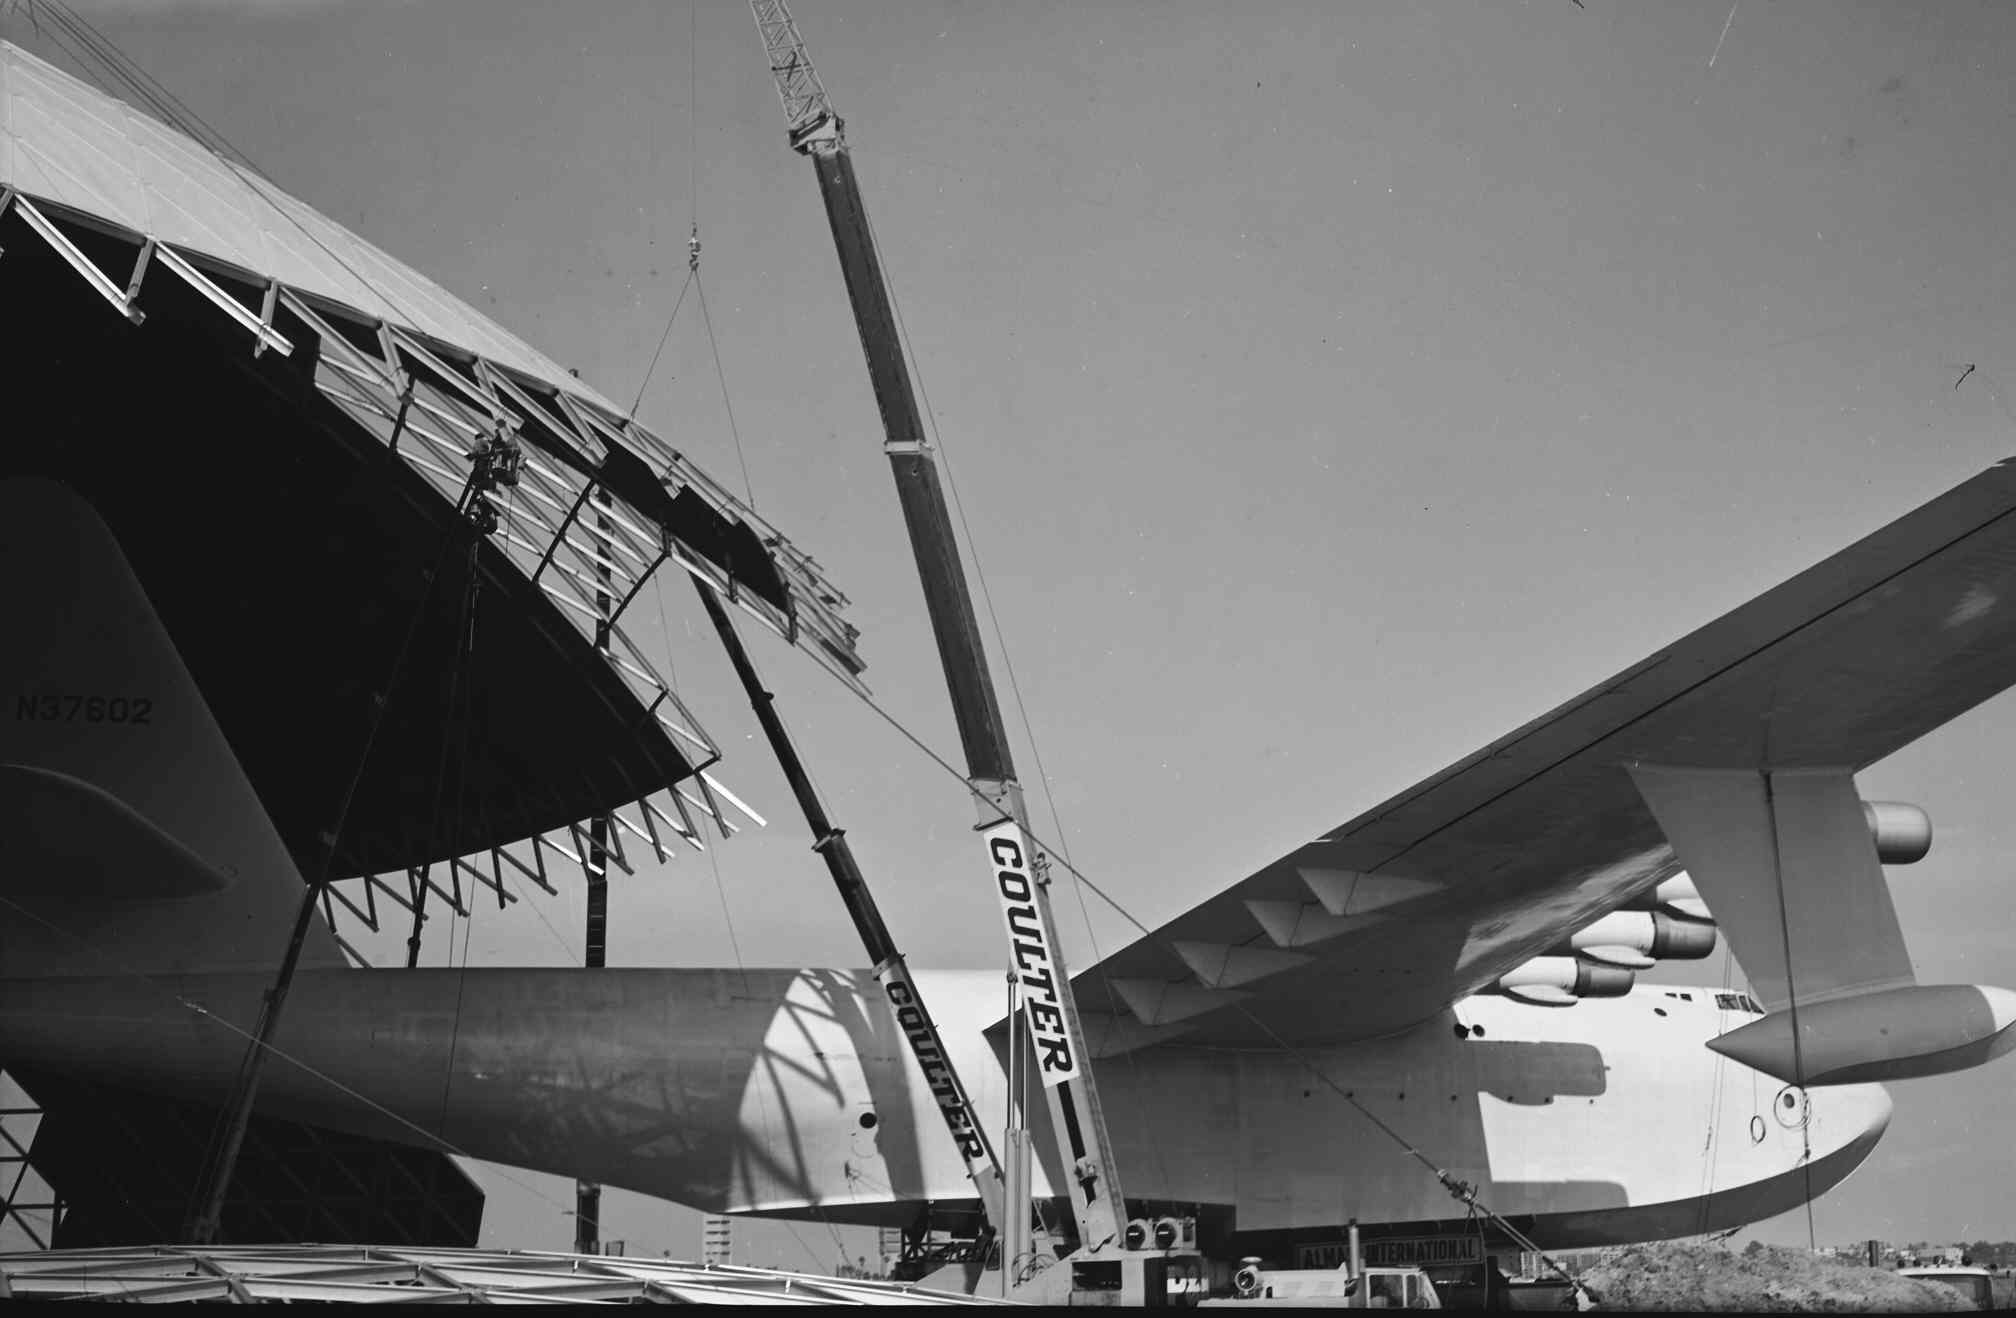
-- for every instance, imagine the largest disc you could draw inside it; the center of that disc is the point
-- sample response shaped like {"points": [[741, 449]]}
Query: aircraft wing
{"points": [[1382, 921]]}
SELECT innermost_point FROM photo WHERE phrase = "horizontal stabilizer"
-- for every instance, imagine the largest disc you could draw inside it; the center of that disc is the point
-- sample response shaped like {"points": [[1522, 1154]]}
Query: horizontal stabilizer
{"points": [[68, 838], [1896, 1034]]}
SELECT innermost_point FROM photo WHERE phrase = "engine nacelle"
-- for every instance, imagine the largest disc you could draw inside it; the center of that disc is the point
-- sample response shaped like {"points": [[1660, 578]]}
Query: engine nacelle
{"points": [[1903, 832], [1557, 981], [1634, 940], [1676, 896]]}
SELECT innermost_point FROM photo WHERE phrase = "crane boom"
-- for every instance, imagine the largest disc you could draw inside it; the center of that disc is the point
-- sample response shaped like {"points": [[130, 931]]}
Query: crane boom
{"points": [[919, 1031], [1018, 869]]}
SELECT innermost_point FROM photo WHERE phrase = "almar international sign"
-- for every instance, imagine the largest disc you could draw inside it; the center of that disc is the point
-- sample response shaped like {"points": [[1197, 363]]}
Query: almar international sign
{"points": [[1396, 1252]]}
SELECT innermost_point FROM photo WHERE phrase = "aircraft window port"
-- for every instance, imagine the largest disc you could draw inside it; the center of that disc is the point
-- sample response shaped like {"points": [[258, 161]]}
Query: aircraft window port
{"points": [[1658, 1011], [868, 1121]]}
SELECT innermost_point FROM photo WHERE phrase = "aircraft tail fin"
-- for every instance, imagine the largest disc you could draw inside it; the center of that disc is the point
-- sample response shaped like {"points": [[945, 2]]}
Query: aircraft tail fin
{"points": [[129, 823]]}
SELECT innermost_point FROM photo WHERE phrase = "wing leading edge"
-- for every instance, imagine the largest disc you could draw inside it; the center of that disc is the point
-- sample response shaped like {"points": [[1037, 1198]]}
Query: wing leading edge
{"points": [[1378, 924]]}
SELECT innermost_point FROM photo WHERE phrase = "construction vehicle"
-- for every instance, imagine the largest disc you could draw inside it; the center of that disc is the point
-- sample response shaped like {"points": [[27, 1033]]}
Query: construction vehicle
{"points": [[1349, 1285], [1330, 1288]]}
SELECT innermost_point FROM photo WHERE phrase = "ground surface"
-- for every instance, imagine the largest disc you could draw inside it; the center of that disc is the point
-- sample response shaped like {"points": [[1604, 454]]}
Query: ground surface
{"points": [[1767, 1279]]}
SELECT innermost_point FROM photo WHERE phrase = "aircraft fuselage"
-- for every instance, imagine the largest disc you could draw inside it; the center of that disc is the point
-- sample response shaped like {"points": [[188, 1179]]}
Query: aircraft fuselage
{"points": [[789, 1092]]}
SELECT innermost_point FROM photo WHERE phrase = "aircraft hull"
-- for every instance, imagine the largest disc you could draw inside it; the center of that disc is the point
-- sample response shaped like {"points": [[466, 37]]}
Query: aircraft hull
{"points": [[1608, 1120]]}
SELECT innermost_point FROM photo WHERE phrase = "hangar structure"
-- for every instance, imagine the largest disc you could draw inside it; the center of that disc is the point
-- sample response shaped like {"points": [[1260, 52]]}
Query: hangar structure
{"points": [[291, 434]]}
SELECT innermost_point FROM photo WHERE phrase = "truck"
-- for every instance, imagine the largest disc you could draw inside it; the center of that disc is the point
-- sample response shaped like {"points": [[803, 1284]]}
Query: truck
{"points": [[1329, 1288]]}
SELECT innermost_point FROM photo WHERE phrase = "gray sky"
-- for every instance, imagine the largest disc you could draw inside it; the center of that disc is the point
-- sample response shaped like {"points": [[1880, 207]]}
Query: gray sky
{"points": [[1330, 388]]}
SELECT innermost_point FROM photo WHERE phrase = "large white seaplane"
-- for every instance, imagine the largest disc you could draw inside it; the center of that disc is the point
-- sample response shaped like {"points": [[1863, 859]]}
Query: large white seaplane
{"points": [[1454, 967]]}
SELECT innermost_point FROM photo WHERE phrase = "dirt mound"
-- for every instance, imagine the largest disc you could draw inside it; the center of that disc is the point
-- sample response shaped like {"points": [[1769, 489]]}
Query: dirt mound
{"points": [[1762, 1279]]}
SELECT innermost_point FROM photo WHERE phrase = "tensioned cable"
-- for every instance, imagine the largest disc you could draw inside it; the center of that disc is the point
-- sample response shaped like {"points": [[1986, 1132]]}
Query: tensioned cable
{"points": [[178, 115], [678, 302], [1792, 1002], [1791, 989], [464, 722], [747, 488], [89, 48], [451, 725], [693, 110], [1456, 1187], [1709, 1148], [693, 280], [126, 71], [734, 944]]}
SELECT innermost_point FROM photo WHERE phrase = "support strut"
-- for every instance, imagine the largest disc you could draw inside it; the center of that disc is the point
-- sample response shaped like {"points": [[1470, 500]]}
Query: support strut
{"points": [[595, 935], [905, 999]]}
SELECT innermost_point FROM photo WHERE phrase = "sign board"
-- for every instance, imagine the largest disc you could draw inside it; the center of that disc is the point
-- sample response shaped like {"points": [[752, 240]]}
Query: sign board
{"points": [[1423, 1251], [1033, 948], [1396, 1252], [929, 1051]]}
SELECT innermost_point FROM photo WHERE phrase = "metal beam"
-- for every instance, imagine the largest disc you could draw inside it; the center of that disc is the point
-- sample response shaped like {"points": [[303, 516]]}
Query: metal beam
{"points": [[261, 325], [906, 999], [121, 300]]}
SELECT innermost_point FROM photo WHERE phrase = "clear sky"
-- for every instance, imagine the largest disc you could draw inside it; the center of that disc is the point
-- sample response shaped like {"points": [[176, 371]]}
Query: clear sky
{"points": [[1330, 389]]}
